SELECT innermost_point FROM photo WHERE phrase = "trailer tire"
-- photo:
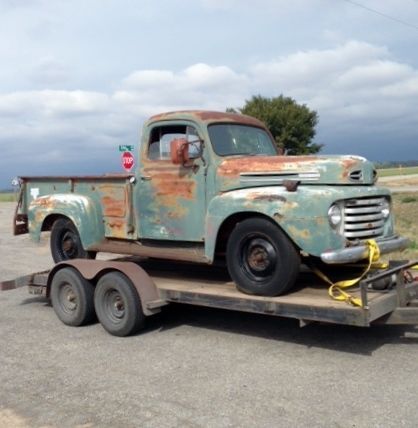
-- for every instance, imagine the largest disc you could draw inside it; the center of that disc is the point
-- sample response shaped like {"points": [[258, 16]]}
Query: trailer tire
{"points": [[65, 242], [261, 259], [72, 297], [118, 305]]}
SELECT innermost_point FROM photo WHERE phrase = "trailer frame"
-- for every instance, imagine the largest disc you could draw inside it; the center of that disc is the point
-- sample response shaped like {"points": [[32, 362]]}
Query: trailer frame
{"points": [[308, 302]]}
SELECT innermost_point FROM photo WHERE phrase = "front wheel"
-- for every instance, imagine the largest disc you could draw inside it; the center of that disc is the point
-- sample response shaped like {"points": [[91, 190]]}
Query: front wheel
{"points": [[261, 259], [66, 243]]}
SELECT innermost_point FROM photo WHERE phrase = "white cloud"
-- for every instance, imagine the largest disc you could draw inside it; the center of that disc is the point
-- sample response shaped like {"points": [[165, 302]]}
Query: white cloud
{"points": [[53, 103], [314, 68], [357, 88]]}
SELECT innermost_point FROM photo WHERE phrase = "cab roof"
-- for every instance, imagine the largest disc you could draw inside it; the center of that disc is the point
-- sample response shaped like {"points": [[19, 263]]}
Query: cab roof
{"points": [[207, 117]]}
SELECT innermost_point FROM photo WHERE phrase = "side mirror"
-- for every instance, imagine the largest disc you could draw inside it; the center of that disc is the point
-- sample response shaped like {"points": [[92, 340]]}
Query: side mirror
{"points": [[179, 151]]}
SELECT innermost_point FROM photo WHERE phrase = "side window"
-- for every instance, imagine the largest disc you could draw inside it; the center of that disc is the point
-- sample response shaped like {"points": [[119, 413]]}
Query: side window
{"points": [[161, 137]]}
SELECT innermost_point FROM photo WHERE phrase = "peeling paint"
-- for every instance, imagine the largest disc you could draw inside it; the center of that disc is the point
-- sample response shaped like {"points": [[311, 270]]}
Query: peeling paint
{"points": [[167, 202], [302, 234]]}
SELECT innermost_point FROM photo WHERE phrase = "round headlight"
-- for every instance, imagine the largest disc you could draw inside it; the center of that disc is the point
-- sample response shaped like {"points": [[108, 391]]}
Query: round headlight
{"points": [[385, 207], [334, 215]]}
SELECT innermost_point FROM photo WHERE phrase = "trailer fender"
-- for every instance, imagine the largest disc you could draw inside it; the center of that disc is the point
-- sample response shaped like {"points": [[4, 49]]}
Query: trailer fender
{"points": [[81, 210], [94, 269]]}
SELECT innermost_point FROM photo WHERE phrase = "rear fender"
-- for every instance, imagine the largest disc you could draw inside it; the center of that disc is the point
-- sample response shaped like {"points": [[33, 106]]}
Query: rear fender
{"points": [[94, 269], [79, 209]]}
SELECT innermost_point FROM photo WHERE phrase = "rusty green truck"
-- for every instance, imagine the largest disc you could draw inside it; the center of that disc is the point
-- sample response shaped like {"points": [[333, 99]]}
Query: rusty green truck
{"points": [[211, 187]]}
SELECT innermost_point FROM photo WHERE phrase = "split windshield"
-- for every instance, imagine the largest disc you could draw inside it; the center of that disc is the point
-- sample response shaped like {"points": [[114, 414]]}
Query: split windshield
{"points": [[229, 139]]}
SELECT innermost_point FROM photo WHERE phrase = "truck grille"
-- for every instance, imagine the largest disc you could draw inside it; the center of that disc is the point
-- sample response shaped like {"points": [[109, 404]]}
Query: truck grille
{"points": [[363, 218]]}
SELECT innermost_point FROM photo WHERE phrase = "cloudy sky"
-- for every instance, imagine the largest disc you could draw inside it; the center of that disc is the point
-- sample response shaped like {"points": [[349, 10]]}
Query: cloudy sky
{"points": [[79, 77]]}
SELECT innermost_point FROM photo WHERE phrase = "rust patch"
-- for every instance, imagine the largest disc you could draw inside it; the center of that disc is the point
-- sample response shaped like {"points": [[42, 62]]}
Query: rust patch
{"points": [[113, 207], [178, 212], [268, 198], [267, 164], [278, 217], [166, 184], [303, 234], [39, 216], [208, 117], [117, 228], [348, 165], [43, 202], [320, 221], [114, 200]]}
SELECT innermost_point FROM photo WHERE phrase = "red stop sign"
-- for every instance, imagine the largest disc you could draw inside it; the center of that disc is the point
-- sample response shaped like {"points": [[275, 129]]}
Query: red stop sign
{"points": [[127, 161]]}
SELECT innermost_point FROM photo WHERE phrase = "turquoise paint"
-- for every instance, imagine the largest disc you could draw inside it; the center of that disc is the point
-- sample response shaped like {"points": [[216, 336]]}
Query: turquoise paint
{"points": [[303, 215], [79, 209], [176, 203]]}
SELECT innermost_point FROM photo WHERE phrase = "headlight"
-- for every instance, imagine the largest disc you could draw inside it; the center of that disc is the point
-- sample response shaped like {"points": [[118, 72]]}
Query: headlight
{"points": [[385, 207], [334, 215]]}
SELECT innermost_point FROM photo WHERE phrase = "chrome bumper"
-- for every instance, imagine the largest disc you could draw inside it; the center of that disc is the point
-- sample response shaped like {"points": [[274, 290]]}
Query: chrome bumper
{"points": [[360, 252]]}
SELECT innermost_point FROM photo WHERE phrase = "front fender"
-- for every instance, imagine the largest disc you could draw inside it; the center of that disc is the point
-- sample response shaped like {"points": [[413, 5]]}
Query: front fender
{"points": [[81, 210], [302, 214], [272, 202]]}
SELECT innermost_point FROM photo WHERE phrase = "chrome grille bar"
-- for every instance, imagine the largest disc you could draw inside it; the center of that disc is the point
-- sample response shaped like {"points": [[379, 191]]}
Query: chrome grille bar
{"points": [[363, 218]]}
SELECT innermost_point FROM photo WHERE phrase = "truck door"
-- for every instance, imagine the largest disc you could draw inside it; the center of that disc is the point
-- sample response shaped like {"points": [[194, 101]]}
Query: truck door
{"points": [[171, 198]]}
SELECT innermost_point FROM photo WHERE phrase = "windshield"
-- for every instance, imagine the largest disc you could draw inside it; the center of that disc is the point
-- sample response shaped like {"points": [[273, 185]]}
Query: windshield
{"points": [[234, 139]]}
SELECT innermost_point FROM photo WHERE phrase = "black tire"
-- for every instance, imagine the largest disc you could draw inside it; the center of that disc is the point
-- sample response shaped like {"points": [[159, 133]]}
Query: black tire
{"points": [[65, 242], [72, 297], [118, 306], [261, 259]]}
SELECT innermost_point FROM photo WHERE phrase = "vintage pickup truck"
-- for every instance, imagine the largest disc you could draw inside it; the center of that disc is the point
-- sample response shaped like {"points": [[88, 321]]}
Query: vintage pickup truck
{"points": [[209, 187]]}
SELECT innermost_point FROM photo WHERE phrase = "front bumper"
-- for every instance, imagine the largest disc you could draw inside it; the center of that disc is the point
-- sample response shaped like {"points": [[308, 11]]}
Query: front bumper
{"points": [[361, 252]]}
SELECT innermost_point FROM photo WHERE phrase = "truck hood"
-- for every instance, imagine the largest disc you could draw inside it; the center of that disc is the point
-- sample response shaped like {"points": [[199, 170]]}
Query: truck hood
{"points": [[252, 171]]}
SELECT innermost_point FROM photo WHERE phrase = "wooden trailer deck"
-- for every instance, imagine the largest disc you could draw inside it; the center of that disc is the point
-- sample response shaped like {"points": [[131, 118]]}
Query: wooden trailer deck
{"points": [[306, 302], [309, 300]]}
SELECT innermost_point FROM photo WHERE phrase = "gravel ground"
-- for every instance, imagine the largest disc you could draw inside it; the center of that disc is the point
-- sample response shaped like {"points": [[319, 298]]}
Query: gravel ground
{"points": [[194, 367]]}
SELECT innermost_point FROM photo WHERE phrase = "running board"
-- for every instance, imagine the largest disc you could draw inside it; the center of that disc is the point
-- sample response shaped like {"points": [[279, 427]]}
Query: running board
{"points": [[183, 252]]}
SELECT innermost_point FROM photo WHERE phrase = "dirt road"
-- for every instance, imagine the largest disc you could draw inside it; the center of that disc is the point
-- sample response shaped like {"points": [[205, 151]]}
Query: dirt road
{"points": [[400, 183], [194, 367]]}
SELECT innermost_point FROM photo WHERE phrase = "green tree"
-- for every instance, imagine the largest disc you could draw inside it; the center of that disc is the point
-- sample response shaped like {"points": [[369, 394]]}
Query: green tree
{"points": [[291, 124]]}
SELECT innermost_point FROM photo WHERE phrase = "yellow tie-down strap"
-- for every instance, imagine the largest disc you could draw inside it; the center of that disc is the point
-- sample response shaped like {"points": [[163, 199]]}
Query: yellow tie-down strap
{"points": [[337, 289]]}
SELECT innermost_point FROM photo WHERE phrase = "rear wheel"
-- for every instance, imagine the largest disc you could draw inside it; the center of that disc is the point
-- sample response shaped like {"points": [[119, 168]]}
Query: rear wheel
{"points": [[72, 297], [261, 259], [118, 305], [66, 243]]}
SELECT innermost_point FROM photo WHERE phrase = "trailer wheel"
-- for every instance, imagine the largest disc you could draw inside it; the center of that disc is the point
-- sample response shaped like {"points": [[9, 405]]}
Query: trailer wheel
{"points": [[118, 305], [261, 259], [66, 243], [72, 297]]}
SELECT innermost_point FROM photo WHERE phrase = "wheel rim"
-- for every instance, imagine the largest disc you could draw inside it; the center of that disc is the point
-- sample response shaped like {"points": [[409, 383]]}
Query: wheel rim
{"points": [[69, 244], [67, 298], [114, 306], [258, 257]]}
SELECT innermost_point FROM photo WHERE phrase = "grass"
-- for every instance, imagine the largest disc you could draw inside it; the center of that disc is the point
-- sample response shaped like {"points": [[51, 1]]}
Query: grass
{"points": [[405, 206], [388, 172], [409, 199], [7, 197]]}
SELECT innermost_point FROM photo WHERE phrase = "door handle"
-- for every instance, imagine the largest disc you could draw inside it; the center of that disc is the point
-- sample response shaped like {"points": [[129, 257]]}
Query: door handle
{"points": [[145, 177]]}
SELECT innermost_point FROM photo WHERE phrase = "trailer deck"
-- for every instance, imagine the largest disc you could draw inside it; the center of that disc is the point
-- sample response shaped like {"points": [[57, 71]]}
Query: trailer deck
{"points": [[308, 301]]}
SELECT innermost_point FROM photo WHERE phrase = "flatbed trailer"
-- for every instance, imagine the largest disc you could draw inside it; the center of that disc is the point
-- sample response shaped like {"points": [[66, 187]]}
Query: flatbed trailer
{"points": [[159, 283]]}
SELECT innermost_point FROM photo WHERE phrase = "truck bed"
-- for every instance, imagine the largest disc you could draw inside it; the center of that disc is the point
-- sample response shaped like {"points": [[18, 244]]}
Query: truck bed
{"points": [[108, 195]]}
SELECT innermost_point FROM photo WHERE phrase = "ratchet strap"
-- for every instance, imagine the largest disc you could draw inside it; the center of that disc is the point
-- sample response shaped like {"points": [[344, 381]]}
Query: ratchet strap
{"points": [[337, 290]]}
